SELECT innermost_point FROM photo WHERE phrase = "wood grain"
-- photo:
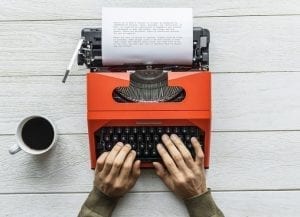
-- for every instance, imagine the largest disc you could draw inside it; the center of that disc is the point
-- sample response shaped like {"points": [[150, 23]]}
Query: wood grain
{"points": [[238, 44], [91, 9], [233, 204], [241, 101], [239, 161]]}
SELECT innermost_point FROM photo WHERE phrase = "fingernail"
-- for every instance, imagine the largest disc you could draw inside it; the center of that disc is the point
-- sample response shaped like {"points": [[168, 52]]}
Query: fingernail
{"points": [[120, 143], [164, 136], [193, 139], [127, 145], [158, 145], [174, 136]]}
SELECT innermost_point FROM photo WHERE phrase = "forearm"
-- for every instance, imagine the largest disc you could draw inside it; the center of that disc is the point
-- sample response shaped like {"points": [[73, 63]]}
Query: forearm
{"points": [[203, 206], [97, 205]]}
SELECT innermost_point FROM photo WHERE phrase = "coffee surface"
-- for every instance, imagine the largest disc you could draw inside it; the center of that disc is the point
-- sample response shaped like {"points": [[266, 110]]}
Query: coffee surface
{"points": [[38, 133]]}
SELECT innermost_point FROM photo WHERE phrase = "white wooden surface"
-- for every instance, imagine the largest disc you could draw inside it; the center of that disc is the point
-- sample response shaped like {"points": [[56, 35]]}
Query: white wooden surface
{"points": [[255, 164]]}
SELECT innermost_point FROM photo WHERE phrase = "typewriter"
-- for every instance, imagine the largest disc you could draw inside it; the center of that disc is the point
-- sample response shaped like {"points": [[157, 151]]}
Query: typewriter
{"points": [[137, 104]]}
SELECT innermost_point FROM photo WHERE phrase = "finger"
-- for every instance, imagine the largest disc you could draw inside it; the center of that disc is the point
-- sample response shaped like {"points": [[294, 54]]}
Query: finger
{"points": [[127, 166], [198, 151], [101, 161], [135, 173], [119, 160], [168, 161], [111, 157], [162, 173], [136, 169], [175, 154], [186, 154]]}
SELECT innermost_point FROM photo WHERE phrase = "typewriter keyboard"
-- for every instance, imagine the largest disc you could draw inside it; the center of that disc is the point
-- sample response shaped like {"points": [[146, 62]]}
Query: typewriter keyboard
{"points": [[144, 139]]}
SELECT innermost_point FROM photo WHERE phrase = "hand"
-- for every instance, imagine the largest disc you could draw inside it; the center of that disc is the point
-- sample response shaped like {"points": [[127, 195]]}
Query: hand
{"points": [[183, 175], [116, 171]]}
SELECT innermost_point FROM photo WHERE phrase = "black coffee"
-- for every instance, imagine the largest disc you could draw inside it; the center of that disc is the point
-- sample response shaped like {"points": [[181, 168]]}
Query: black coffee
{"points": [[38, 133]]}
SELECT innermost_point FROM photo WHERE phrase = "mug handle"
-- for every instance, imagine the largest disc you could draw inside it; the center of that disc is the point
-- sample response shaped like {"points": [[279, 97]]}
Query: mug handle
{"points": [[14, 149]]}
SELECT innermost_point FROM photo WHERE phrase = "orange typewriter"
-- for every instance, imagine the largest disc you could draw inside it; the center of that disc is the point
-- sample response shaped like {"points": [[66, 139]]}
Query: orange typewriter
{"points": [[137, 104]]}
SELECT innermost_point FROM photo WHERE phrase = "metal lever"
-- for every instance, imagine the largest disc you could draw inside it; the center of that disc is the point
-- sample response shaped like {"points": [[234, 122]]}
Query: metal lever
{"points": [[72, 60]]}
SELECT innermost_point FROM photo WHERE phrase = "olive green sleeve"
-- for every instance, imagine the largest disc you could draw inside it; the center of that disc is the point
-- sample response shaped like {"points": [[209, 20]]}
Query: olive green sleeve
{"points": [[203, 206], [98, 205]]}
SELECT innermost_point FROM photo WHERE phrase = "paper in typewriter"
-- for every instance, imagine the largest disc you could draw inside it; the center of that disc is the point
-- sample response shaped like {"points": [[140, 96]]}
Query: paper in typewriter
{"points": [[147, 36]]}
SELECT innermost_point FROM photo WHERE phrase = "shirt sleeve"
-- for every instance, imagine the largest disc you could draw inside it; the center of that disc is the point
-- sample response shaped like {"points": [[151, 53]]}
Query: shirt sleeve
{"points": [[98, 205], [203, 206]]}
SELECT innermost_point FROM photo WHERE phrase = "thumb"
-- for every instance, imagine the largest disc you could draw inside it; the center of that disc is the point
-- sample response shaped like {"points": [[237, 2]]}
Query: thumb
{"points": [[136, 170], [162, 173]]}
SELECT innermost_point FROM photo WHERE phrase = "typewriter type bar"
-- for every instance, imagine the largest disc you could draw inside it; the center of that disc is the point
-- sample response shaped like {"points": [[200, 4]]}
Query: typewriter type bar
{"points": [[90, 52]]}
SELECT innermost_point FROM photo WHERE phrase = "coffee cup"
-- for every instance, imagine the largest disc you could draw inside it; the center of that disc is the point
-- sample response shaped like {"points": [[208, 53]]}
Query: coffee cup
{"points": [[35, 135]]}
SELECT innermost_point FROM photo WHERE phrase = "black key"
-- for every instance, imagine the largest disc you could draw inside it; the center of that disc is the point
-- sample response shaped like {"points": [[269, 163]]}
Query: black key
{"points": [[184, 130], [146, 153], [127, 130], [154, 153], [189, 145], [138, 153], [101, 145], [176, 130], [108, 146], [134, 130], [159, 130], [142, 146], [149, 145], [168, 130], [188, 138], [133, 146], [143, 130], [106, 138], [152, 130], [139, 138], [119, 130], [148, 138], [123, 138], [131, 138], [193, 130], [110, 130], [115, 138], [155, 138]]}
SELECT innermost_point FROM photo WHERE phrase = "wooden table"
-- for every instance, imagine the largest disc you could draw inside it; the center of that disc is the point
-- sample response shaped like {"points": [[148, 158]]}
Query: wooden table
{"points": [[255, 60]]}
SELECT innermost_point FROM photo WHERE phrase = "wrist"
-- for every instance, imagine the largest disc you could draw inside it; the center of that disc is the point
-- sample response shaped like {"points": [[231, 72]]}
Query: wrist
{"points": [[100, 202], [203, 203]]}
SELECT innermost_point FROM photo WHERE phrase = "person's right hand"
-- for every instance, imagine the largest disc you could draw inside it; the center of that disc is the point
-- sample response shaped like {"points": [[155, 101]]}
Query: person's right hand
{"points": [[183, 175], [117, 171]]}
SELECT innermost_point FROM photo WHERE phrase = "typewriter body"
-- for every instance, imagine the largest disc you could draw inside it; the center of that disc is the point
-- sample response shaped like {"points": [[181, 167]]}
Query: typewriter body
{"points": [[137, 104]]}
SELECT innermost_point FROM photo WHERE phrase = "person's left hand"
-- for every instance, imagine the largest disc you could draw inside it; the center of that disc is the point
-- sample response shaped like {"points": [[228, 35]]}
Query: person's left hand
{"points": [[117, 171], [182, 174]]}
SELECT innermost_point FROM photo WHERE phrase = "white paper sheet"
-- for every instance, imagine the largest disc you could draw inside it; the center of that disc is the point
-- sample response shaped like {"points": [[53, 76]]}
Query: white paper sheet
{"points": [[147, 36]]}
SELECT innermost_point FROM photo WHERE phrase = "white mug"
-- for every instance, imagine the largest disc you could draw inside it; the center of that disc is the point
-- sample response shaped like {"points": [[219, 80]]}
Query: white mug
{"points": [[36, 135]]}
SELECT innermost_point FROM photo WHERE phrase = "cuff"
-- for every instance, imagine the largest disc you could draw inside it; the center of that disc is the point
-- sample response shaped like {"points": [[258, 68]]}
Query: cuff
{"points": [[99, 203], [202, 206]]}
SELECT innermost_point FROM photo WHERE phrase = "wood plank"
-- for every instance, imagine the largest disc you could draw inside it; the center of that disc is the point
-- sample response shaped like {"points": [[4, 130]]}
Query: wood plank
{"points": [[239, 161], [233, 204], [91, 9], [238, 44], [256, 101], [241, 101]]}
